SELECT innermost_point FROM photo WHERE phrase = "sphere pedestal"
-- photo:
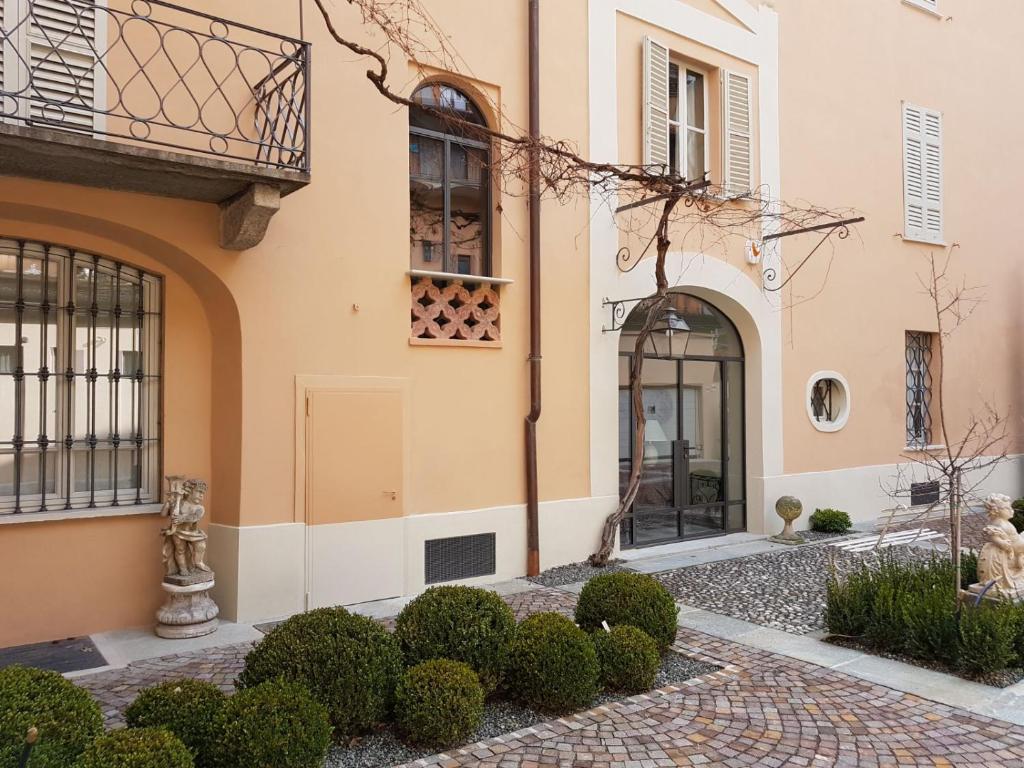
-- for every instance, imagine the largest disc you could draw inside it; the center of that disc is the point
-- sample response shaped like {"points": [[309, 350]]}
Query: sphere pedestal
{"points": [[789, 509], [189, 611]]}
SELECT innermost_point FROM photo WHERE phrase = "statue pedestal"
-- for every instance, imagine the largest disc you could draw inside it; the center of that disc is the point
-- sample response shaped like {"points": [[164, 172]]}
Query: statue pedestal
{"points": [[189, 610], [972, 593]]}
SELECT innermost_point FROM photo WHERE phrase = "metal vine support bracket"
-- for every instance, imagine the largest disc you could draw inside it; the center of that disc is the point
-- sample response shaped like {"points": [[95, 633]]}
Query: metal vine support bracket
{"points": [[619, 312], [840, 228]]}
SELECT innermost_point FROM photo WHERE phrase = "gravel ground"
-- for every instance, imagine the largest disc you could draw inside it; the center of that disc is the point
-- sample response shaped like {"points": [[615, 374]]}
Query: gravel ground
{"points": [[384, 749], [784, 589], [574, 572]]}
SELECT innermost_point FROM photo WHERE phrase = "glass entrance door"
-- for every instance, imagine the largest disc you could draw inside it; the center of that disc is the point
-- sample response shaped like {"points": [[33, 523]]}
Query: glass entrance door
{"points": [[692, 477], [703, 502]]}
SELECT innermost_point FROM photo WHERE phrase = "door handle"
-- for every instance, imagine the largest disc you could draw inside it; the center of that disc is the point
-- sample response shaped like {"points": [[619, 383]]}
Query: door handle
{"points": [[392, 494]]}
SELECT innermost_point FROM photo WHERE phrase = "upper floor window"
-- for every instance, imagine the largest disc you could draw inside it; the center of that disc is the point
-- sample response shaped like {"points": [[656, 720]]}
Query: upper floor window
{"points": [[687, 130], [677, 122], [922, 174], [79, 380], [449, 184]]}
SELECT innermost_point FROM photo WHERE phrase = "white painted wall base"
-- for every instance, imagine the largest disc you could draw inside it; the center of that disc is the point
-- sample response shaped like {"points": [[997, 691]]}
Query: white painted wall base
{"points": [[265, 572], [260, 570], [865, 492]]}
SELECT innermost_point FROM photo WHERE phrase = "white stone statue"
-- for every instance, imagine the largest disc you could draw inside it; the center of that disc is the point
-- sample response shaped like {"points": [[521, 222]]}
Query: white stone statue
{"points": [[189, 611], [1001, 562], [184, 549]]}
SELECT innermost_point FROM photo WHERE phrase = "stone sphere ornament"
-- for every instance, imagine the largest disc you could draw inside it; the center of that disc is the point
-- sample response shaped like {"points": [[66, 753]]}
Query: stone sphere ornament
{"points": [[789, 509]]}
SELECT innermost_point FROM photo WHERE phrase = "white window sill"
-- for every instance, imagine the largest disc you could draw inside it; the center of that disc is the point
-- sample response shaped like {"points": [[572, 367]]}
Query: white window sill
{"points": [[923, 448], [9, 518], [922, 241], [929, 9], [461, 278]]}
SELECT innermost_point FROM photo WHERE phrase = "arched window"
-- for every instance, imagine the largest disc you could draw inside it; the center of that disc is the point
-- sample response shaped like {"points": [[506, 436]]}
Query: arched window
{"points": [[449, 185]]}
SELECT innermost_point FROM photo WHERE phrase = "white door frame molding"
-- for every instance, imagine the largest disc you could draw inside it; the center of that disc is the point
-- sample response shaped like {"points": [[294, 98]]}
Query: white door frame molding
{"points": [[755, 312]]}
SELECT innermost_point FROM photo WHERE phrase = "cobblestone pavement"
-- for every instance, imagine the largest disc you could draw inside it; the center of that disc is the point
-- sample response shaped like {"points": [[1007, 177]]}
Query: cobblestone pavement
{"points": [[760, 709]]}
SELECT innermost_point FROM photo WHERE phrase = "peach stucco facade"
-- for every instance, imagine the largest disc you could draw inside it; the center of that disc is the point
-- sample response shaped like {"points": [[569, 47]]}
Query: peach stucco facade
{"points": [[336, 446]]}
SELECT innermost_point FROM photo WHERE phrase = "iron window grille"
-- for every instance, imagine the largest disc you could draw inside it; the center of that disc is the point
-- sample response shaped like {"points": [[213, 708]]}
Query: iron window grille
{"points": [[821, 400], [919, 388], [80, 380]]}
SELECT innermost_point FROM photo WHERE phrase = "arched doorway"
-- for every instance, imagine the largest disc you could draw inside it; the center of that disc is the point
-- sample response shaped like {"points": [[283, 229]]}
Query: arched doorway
{"points": [[693, 484]]}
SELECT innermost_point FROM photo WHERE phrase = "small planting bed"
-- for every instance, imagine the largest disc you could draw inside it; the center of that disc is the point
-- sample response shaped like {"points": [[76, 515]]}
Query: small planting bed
{"points": [[384, 748], [911, 612], [572, 573]]}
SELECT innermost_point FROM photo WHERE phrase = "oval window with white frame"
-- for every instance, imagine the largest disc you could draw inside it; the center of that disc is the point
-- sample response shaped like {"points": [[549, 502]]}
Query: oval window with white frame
{"points": [[828, 401]]}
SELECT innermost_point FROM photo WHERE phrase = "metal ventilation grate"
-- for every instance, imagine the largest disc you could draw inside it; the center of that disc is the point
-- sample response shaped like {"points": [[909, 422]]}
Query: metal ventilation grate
{"points": [[924, 493], [459, 557]]}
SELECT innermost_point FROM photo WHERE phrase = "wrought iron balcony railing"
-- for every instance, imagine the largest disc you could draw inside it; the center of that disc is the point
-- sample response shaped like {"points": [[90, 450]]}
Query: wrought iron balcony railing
{"points": [[159, 75]]}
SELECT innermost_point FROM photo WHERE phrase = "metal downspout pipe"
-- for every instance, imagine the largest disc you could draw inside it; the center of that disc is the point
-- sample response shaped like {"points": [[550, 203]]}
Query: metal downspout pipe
{"points": [[532, 489]]}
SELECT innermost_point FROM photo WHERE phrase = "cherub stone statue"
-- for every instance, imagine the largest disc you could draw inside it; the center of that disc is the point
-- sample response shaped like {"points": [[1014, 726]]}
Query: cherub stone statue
{"points": [[1001, 562], [184, 549], [189, 610]]}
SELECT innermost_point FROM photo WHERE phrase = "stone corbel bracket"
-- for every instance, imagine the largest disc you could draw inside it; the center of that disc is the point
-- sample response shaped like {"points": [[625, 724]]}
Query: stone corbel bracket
{"points": [[245, 217]]}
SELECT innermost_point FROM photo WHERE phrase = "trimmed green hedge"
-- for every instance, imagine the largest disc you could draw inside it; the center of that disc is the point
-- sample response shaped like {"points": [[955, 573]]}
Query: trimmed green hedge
{"points": [[629, 598], [830, 521], [276, 724], [465, 624], [187, 708], [914, 609], [553, 665], [136, 748], [349, 663], [439, 703], [628, 657], [67, 718]]}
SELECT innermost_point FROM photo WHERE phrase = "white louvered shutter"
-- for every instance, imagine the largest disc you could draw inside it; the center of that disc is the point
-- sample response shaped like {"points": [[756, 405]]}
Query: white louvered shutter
{"points": [[655, 103], [738, 138], [922, 174], [61, 49]]}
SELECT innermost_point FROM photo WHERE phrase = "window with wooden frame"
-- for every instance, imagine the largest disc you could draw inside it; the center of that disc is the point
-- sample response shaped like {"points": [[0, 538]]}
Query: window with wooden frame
{"points": [[48, 58], [687, 121], [677, 123], [80, 380]]}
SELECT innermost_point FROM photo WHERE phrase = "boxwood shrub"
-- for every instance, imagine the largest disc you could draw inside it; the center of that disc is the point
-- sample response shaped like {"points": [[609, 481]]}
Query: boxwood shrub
{"points": [[914, 609], [830, 521], [66, 717], [439, 703], [136, 748], [465, 624], [349, 663], [553, 665], [629, 598], [274, 724], [628, 658], [187, 708], [988, 638]]}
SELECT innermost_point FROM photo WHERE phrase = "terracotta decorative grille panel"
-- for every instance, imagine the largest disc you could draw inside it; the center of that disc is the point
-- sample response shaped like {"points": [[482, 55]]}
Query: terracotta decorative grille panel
{"points": [[449, 309]]}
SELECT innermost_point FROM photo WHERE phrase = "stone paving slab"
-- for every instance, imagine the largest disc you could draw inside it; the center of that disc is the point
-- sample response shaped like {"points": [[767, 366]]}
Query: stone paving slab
{"points": [[761, 709]]}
